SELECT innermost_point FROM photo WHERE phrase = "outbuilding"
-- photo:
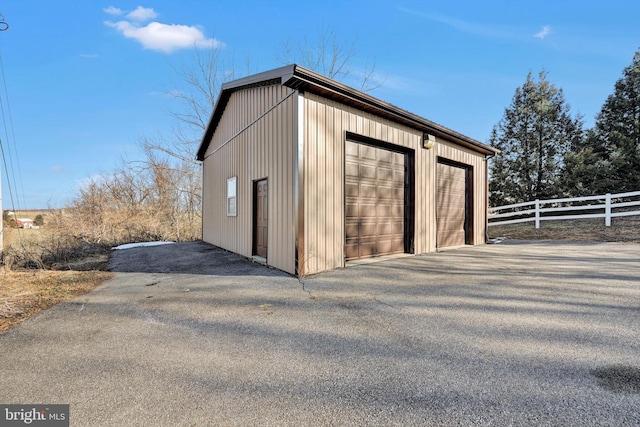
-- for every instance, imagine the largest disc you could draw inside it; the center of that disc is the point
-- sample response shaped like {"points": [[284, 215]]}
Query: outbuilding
{"points": [[309, 174], [25, 223]]}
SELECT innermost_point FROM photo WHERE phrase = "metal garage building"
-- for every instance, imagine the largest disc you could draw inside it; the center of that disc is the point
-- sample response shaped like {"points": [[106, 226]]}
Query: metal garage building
{"points": [[310, 174]]}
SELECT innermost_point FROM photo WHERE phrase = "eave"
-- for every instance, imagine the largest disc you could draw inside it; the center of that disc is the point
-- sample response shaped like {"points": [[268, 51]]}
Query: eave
{"points": [[301, 79]]}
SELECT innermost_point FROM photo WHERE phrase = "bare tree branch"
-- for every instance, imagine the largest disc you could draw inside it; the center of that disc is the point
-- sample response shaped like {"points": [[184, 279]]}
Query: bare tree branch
{"points": [[330, 57]]}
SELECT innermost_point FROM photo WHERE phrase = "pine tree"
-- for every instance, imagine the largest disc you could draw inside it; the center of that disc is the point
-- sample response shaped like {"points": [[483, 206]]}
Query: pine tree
{"points": [[535, 133], [616, 135], [587, 168]]}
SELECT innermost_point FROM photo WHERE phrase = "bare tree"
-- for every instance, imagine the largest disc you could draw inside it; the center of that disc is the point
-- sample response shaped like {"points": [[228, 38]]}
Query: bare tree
{"points": [[159, 196], [201, 75], [199, 79], [144, 200], [330, 57]]}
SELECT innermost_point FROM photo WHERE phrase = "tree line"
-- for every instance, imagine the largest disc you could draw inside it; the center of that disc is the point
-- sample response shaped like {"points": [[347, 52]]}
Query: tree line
{"points": [[547, 153]]}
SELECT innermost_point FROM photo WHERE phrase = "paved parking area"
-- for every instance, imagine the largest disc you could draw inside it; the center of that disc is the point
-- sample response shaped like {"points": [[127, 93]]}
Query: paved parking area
{"points": [[518, 333]]}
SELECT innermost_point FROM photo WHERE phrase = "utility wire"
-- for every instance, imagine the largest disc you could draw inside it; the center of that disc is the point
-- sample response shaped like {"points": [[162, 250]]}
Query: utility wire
{"points": [[4, 160], [6, 152], [13, 138], [3, 27]]}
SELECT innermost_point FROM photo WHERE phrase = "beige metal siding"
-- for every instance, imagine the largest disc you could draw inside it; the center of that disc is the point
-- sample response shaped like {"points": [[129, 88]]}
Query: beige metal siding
{"points": [[266, 149], [299, 147], [325, 123]]}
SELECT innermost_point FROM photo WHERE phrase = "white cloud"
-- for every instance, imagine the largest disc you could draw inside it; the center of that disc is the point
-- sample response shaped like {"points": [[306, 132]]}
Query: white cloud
{"points": [[546, 30], [58, 168], [142, 14], [165, 37], [111, 10], [157, 35]]}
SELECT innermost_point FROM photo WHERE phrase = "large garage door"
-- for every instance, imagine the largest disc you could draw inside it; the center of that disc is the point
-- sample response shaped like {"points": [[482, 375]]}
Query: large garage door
{"points": [[374, 201], [451, 209]]}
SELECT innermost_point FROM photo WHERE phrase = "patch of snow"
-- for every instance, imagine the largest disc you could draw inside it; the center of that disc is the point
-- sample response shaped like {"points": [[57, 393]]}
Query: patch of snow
{"points": [[137, 245], [496, 240]]}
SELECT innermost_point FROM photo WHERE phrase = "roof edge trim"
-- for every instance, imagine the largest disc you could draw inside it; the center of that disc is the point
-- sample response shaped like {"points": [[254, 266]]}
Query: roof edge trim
{"points": [[302, 77], [299, 78]]}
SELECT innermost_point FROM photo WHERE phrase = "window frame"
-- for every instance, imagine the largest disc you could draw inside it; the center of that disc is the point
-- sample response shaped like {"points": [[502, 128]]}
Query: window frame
{"points": [[232, 196]]}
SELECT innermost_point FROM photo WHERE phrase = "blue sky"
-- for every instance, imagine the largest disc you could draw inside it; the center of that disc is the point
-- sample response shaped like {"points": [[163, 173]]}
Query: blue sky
{"points": [[86, 80]]}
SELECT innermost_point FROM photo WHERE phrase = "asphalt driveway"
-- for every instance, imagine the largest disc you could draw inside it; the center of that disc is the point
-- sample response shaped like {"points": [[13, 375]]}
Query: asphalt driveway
{"points": [[189, 335]]}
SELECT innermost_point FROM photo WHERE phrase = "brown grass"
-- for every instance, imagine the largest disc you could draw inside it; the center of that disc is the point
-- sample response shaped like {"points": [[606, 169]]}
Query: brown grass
{"points": [[625, 229], [51, 249], [64, 258], [26, 293], [40, 271]]}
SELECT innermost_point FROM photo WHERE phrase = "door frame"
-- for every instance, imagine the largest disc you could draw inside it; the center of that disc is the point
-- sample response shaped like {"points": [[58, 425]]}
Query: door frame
{"points": [[468, 198], [254, 214], [409, 186]]}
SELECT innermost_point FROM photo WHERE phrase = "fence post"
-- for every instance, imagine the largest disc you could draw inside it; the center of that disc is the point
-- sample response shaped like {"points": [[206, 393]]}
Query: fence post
{"points": [[537, 214], [607, 211]]}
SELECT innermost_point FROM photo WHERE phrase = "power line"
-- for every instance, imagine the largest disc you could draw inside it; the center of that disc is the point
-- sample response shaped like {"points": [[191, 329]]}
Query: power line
{"points": [[3, 27], [4, 160], [13, 138]]}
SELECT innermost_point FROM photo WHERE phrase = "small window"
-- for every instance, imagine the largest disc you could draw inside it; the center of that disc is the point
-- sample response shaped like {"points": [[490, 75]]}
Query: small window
{"points": [[232, 199]]}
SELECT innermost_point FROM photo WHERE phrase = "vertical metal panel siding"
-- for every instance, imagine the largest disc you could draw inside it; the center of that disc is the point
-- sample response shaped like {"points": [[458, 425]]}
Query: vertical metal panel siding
{"points": [[325, 124], [264, 150]]}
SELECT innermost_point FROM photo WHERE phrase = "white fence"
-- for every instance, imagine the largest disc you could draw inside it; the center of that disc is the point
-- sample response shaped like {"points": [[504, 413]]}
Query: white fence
{"points": [[605, 206]]}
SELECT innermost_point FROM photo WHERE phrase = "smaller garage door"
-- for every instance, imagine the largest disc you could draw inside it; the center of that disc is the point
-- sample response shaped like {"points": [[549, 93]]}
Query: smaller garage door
{"points": [[452, 207], [374, 201]]}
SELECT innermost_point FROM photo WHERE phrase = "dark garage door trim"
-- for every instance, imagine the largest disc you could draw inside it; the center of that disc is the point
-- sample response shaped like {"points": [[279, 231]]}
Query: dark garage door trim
{"points": [[408, 195], [443, 241]]}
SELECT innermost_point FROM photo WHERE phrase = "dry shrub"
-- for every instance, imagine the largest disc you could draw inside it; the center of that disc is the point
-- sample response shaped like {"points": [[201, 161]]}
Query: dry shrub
{"points": [[151, 203], [157, 198], [154, 201], [49, 249]]}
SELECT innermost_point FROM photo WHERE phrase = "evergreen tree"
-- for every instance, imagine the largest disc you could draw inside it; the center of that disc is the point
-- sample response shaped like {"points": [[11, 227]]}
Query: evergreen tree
{"points": [[615, 139], [587, 168], [535, 133]]}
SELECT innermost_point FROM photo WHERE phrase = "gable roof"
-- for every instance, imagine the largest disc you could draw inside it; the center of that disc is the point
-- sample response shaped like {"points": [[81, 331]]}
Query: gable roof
{"points": [[300, 78]]}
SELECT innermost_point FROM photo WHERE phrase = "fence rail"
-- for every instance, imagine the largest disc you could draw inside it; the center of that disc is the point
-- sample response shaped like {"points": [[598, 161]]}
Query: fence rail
{"points": [[606, 206]]}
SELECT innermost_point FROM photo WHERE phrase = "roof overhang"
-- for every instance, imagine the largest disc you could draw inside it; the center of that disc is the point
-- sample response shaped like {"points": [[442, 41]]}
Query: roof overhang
{"points": [[304, 80]]}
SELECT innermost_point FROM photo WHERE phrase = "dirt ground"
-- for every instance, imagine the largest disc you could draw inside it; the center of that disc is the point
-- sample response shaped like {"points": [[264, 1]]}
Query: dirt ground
{"points": [[26, 293]]}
